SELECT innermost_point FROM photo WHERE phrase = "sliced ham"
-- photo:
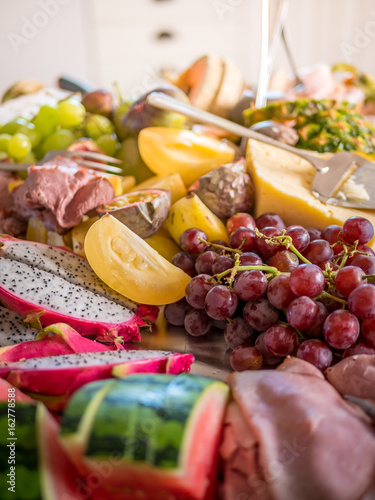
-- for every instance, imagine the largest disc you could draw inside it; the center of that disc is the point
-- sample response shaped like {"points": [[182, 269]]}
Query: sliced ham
{"points": [[354, 375], [60, 192], [290, 436], [319, 83]]}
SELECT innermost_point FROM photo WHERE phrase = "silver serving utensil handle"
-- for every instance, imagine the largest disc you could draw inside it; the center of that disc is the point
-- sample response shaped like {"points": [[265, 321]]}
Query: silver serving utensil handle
{"points": [[270, 41], [330, 171], [168, 103]]}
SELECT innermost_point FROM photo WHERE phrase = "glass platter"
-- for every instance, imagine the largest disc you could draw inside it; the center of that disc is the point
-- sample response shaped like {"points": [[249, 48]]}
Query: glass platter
{"points": [[210, 351]]}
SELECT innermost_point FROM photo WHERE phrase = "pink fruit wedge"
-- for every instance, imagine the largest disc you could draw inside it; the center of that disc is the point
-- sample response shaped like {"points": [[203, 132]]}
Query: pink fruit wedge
{"points": [[54, 378], [54, 340], [59, 479], [8, 391]]}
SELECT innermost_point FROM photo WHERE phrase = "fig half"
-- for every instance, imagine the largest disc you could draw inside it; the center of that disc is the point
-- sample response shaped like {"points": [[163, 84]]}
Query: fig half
{"points": [[143, 211], [226, 190]]}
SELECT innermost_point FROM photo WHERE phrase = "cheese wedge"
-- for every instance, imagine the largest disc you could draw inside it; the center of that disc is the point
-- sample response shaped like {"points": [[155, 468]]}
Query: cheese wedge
{"points": [[282, 183]]}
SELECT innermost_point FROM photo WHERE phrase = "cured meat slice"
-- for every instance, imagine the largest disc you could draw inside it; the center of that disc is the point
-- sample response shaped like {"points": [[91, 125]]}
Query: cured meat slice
{"points": [[354, 375], [301, 439]]}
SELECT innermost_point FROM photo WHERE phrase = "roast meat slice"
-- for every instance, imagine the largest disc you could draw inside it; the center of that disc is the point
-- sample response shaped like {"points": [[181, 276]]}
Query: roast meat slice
{"points": [[354, 375], [60, 192], [302, 440]]}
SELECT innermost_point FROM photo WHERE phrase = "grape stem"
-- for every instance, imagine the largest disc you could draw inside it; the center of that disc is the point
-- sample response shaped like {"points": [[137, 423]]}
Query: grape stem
{"points": [[266, 269], [345, 257], [299, 333], [284, 240], [216, 245], [327, 295], [234, 269]]}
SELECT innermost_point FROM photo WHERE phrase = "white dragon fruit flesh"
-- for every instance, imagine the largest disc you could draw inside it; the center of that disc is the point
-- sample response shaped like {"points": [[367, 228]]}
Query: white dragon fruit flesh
{"points": [[48, 285], [12, 328], [71, 267]]}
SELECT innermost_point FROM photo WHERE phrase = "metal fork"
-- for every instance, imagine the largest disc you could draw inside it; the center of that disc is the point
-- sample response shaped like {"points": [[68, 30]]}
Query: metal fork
{"points": [[330, 175], [88, 159]]}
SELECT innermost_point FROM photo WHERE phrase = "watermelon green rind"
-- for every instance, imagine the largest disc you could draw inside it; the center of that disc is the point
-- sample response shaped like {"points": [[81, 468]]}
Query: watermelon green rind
{"points": [[79, 403], [156, 436], [196, 476], [77, 426], [27, 485], [142, 412], [26, 460]]}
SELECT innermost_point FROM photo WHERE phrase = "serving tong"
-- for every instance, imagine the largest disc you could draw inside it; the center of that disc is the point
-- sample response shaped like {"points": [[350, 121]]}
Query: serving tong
{"points": [[89, 159], [330, 175]]}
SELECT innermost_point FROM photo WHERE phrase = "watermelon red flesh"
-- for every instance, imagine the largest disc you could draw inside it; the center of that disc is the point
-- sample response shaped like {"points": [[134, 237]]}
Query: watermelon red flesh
{"points": [[43, 470], [7, 391], [60, 376], [165, 433], [64, 340], [71, 267], [59, 478]]}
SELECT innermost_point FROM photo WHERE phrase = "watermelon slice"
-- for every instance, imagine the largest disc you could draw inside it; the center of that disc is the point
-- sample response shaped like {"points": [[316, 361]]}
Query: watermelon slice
{"points": [[7, 389], [42, 469], [147, 436], [59, 480]]}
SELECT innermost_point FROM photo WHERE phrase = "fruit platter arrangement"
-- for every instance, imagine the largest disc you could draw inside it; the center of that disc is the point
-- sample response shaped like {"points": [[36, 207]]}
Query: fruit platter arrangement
{"points": [[198, 325]]}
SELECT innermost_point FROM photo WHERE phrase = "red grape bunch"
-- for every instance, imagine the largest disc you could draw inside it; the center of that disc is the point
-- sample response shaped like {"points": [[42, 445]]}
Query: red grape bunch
{"points": [[279, 291]]}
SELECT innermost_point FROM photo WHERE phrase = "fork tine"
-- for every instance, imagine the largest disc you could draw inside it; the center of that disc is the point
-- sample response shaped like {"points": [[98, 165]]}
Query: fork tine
{"points": [[99, 166], [95, 156]]}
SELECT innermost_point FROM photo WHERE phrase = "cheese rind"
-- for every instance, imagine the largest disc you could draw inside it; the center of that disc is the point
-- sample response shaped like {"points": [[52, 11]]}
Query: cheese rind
{"points": [[282, 183]]}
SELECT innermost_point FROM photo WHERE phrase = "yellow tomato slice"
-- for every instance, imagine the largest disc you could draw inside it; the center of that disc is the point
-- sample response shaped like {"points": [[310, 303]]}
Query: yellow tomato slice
{"points": [[126, 263], [171, 150]]}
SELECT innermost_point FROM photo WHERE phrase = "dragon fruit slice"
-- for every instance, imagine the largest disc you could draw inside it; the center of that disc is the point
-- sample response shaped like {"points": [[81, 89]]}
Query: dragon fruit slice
{"points": [[72, 268], [44, 298], [54, 378], [12, 328], [64, 340]]}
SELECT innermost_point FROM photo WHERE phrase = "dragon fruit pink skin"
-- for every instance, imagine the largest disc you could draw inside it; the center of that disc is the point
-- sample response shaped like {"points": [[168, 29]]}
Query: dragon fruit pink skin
{"points": [[71, 267], [54, 378], [64, 340]]}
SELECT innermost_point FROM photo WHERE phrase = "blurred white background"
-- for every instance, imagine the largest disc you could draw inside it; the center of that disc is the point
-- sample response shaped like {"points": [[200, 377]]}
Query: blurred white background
{"points": [[128, 41]]}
